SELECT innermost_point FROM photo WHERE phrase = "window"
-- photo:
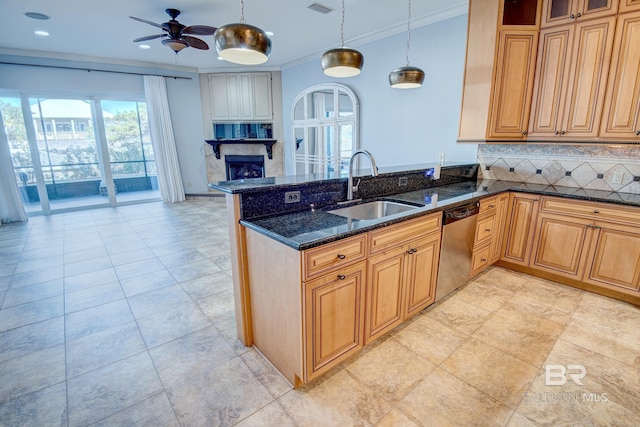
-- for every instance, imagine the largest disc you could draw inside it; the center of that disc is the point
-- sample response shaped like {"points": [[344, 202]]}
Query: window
{"points": [[325, 129]]}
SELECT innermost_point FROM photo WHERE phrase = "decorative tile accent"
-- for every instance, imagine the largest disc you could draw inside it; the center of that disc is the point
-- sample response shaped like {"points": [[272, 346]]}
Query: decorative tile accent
{"points": [[579, 166]]}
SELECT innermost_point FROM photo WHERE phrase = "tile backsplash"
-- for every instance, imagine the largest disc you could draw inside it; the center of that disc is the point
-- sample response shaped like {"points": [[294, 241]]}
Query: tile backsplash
{"points": [[609, 168]]}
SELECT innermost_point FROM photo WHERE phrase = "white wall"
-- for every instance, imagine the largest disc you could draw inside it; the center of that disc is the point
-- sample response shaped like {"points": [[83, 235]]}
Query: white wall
{"points": [[400, 127], [184, 96]]}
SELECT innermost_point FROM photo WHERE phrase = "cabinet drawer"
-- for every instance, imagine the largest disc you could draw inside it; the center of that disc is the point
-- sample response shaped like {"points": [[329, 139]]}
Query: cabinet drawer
{"points": [[484, 229], [488, 206], [592, 210], [385, 238], [481, 258], [319, 260]]}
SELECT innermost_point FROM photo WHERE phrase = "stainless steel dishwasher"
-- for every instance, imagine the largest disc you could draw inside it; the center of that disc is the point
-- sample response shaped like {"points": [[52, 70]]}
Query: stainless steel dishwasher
{"points": [[458, 232]]}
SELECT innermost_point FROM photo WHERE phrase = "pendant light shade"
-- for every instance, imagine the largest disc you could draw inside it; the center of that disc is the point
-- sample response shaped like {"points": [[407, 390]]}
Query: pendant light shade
{"points": [[242, 43], [342, 62], [407, 77]]}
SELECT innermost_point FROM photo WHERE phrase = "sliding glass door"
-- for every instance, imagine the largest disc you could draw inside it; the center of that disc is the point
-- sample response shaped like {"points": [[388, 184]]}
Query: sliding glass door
{"points": [[73, 153]]}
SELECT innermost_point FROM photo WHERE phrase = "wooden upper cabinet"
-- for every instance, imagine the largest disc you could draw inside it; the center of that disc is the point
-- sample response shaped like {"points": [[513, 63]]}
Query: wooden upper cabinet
{"points": [[511, 99], [558, 12], [621, 116], [522, 13], [552, 77], [629, 5], [567, 102]]}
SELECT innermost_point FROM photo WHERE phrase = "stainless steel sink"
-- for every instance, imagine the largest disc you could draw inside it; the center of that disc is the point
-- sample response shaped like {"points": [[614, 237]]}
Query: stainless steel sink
{"points": [[373, 210]]}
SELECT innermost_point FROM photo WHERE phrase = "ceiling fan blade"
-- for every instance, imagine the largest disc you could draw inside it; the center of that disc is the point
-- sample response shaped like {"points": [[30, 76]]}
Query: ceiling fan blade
{"points": [[195, 42], [199, 30], [142, 39], [146, 22]]}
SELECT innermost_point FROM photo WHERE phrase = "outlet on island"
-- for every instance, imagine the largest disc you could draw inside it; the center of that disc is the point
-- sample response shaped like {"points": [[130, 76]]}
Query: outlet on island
{"points": [[292, 197]]}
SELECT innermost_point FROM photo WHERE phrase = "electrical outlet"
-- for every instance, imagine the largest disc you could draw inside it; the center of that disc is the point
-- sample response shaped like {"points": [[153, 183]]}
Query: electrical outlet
{"points": [[402, 181], [616, 177], [441, 159], [292, 197]]}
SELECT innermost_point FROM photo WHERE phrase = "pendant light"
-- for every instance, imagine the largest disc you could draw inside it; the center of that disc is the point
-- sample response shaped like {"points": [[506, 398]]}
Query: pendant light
{"points": [[407, 77], [342, 62], [242, 43]]}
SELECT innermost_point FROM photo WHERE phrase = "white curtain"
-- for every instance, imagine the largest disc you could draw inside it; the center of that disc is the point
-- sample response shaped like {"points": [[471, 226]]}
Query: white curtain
{"points": [[164, 144], [11, 208]]}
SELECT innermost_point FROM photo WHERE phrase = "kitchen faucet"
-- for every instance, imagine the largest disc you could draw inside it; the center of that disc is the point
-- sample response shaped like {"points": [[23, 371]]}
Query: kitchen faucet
{"points": [[350, 187]]}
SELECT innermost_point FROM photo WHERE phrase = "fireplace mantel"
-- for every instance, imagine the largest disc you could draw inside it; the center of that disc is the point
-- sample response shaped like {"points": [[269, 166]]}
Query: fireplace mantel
{"points": [[216, 143]]}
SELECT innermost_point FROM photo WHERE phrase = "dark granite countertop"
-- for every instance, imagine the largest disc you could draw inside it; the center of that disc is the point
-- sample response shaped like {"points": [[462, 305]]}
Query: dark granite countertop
{"points": [[244, 186], [307, 229]]}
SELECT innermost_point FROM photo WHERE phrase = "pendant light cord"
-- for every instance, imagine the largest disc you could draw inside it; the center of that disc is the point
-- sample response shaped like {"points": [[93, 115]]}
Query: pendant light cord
{"points": [[408, 32], [342, 27], [242, 20]]}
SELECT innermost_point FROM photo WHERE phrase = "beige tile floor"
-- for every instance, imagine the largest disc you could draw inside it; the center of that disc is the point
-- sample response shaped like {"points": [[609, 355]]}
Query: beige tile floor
{"points": [[124, 316]]}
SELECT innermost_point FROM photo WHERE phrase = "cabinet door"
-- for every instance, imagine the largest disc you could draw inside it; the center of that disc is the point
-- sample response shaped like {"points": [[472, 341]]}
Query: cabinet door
{"points": [[234, 97], [219, 96], [246, 96], [334, 318], [552, 77], [383, 310], [485, 228], [262, 109], [513, 84], [615, 257], [501, 217], [557, 12], [587, 78], [481, 259], [621, 116], [629, 5], [560, 244], [521, 221], [422, 274]]}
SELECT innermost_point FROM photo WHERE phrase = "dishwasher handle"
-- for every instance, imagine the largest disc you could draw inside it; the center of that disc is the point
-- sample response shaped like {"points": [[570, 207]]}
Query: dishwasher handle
{"points": [[460, 212]]}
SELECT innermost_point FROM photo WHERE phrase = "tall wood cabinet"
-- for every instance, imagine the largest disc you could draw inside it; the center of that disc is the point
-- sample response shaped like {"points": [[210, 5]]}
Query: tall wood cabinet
{"points": [[621, 116]]}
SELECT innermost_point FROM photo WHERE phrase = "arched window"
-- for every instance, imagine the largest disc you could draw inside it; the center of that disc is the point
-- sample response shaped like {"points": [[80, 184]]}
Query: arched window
{"points": [[325, 128]]}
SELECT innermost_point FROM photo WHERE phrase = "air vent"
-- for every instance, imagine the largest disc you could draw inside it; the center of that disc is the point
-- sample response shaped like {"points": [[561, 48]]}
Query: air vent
{"points": [[317, 7]]}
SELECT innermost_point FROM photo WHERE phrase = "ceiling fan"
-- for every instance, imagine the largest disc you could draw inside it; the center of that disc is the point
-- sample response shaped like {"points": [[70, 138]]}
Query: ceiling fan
{"points": [[176, 35]]}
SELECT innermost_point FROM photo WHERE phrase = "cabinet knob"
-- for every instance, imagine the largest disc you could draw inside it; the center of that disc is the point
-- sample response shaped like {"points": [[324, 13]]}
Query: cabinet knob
{"points": [[524, 133], [579, 14], [572, 16], [638, 132], [596, 211], [483, 260], [492, 206], [563, 132], [341, 276], [340, 256], [412, 251], [487, 230], [557, 132]]}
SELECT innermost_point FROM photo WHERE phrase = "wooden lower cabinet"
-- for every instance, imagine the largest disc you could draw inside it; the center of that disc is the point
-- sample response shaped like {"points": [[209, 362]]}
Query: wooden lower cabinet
{"points": [[561, 244], [615, 257], [334, 318], [502, 206], [401, 282], [520, 228]]}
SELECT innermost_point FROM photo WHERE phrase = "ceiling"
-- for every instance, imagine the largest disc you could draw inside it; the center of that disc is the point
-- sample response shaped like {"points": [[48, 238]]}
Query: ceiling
{"points": [[103, 31]]}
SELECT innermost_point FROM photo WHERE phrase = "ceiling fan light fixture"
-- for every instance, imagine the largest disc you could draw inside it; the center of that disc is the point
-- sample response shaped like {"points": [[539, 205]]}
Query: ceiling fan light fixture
{"points": [[342, 62], [406, 77], [175, 45], [243, 44]]}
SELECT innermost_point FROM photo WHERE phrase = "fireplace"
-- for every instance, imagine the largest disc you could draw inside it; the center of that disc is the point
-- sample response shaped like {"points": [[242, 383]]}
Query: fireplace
{"points": [[241, 167]]}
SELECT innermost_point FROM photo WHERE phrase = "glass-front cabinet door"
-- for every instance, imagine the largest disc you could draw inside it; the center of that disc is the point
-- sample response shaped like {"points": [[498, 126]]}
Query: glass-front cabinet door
{"points": [[556, 12]]}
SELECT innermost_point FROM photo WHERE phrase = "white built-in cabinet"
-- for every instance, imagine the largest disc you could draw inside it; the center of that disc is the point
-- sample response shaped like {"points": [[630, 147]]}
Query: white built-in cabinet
{"points": [[241, 96]]}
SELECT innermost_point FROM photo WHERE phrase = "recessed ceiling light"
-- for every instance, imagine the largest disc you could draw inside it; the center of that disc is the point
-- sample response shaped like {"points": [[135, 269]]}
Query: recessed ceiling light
{"points": [[41, 33], [269, 33], [144, 46], [36, 15]]}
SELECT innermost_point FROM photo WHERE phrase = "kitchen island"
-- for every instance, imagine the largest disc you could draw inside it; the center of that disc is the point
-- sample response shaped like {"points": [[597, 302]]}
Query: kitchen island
{"points": [[311, 288]]}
